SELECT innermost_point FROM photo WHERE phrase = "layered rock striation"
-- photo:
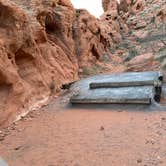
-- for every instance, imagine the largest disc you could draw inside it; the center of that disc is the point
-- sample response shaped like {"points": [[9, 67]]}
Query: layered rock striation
{"points": [[42, 46], [139, 28]]}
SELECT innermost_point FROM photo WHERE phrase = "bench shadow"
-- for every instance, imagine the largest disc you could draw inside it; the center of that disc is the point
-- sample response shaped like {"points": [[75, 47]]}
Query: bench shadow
{"points": [[118, 107]]}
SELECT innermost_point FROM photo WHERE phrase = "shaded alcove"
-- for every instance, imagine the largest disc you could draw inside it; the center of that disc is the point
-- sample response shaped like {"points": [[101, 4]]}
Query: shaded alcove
{"points": [[5, 89], [95, 53], [52, 23], [26, 65]]}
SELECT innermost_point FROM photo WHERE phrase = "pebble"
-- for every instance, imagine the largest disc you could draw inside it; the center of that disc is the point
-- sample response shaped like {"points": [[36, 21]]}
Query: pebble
{"points": [[163, 118], [17, 148], [101, 128], [2, 138], [139, 161]]}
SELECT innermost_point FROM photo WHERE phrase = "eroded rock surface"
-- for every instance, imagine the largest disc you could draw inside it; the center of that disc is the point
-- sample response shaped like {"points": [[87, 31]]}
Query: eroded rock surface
{"points": [[42, 46], [45, 44], [138, 29], [91, 41]]}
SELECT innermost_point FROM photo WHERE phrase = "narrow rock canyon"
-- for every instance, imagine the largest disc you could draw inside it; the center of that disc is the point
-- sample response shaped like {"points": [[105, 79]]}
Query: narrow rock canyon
{"points": [[45, 47], [46, 44]]}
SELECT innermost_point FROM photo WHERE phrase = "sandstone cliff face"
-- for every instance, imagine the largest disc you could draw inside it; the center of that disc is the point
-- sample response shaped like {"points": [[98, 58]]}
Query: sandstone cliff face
{"points": [[42, 46], [142, 33]]}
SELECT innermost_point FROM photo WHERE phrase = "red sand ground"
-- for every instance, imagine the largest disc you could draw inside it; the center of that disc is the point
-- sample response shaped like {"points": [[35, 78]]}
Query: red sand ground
{"points": [[56, 136], [86, 137]]}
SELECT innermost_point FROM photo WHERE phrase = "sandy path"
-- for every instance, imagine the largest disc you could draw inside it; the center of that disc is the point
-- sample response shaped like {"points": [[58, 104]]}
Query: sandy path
{"points": [[87, 137]]}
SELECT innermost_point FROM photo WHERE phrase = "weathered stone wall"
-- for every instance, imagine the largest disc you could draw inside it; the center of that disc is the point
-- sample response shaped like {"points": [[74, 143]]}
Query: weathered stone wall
{"points": [[42, 46], [138, 28]]}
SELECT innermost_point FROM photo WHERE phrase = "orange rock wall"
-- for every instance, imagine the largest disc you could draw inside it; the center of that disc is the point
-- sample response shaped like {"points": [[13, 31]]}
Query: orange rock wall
{"points": [[42, 46]]}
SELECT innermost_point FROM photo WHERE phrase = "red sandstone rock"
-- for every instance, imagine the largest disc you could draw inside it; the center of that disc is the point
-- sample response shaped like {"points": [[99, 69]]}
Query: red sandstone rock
{"points": [[139, 27], [109, 5], [40, 50], [162, 14], [90, 40], [44, 44], [145, 62]]}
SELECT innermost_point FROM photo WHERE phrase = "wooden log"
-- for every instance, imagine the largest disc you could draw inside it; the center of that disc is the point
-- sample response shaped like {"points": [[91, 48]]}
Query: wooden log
{"points": [[110, 101], [95, 85]]}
